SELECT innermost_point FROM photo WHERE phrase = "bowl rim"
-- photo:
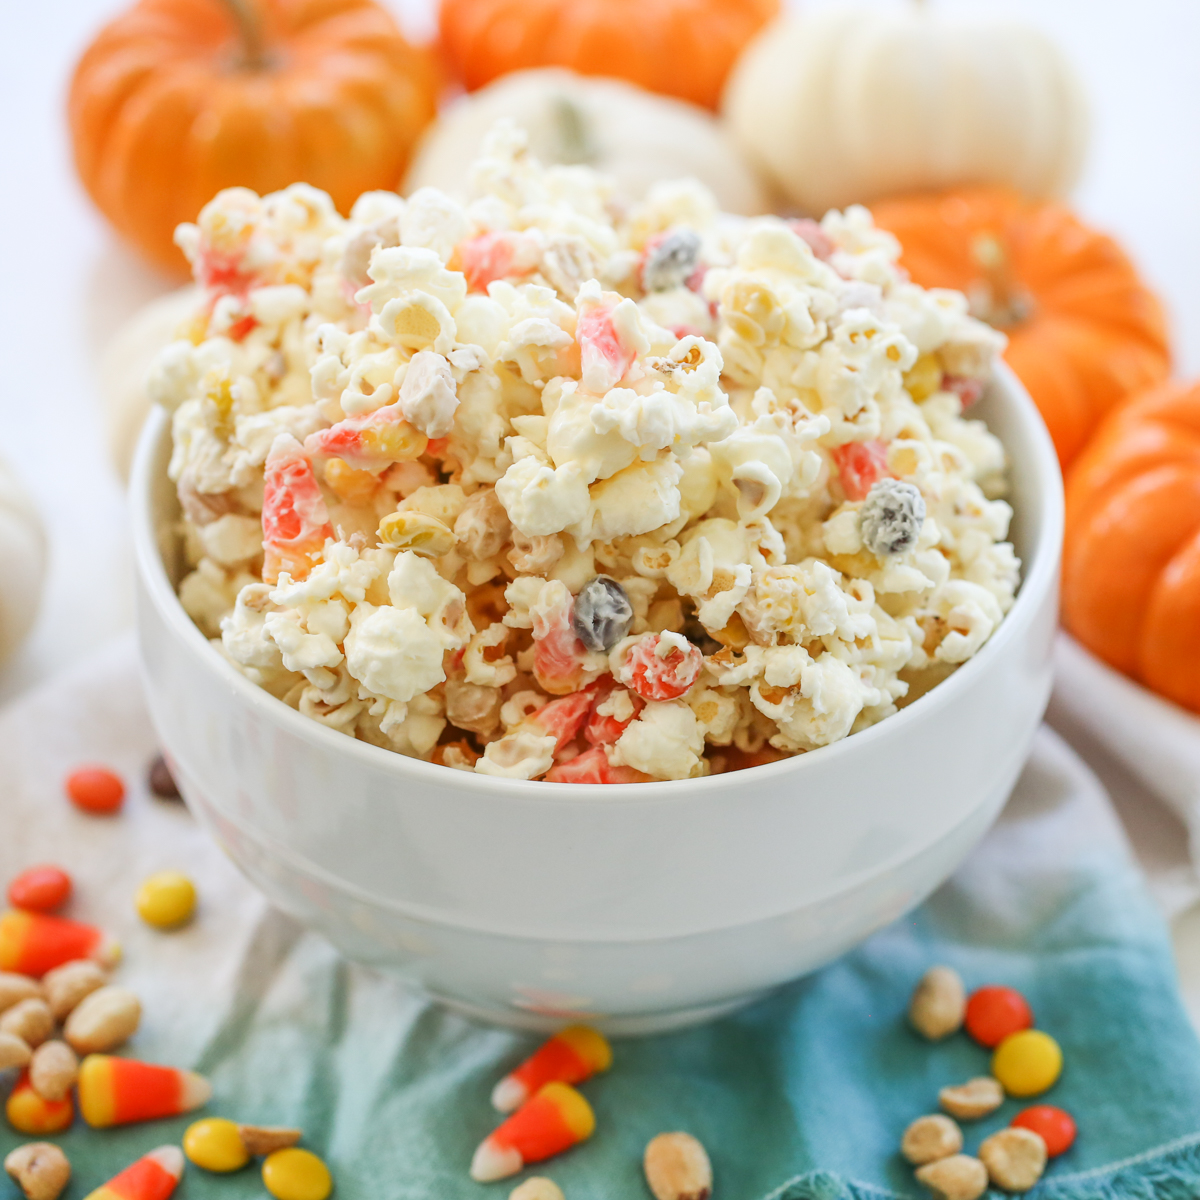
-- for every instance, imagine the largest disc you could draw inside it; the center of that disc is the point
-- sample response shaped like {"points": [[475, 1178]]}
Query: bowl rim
{"points": [[1033, 588]]}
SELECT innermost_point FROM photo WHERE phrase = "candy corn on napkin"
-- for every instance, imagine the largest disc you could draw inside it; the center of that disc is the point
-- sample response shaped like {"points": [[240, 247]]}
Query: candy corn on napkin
{"points": [[804, 1095]]}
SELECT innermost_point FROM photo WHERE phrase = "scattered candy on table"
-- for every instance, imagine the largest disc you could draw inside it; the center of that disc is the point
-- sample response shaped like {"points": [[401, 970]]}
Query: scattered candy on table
{"points": [[96, 790], [993, 1012], [929, 1138], [53, 1070], [1054, 1126], [30, 1020], [66, 986], [1027, 1063], [1015, 1158], [14, 1051], [34, 943], [119, 1091], [296, 1174], [215, 1144], [959, 1177], [41, 1170], [160, 780], [938, 1003], [153, 1177], [29, 1113], [570, 1056], [553, 1120], [971, 1100], [677, 1167], [166, 900], [40, 889], [15, 987]]}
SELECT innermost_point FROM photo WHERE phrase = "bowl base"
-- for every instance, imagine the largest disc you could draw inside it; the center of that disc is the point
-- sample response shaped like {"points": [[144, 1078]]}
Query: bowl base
{"points": [[634, 1025]]}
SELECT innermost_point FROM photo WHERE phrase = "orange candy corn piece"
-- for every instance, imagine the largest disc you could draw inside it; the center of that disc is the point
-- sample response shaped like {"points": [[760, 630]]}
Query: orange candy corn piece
{"points": [[556, 1119], [152, 1177], [119, 1091], [34, 1116], [33, 943], [570, 1056]]}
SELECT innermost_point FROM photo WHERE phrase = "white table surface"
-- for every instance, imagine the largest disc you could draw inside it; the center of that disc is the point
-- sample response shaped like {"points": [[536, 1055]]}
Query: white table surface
{"points": [[65, 286]]}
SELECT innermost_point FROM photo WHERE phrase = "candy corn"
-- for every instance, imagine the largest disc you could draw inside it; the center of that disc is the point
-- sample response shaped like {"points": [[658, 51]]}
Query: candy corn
{"points": [[33, 943], [152, 1177], [118, 1091], [556, 1119], [30, 1114], [570, 1056]]}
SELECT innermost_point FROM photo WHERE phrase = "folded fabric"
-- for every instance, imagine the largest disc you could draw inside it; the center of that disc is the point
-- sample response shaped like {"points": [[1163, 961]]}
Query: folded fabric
{"points": [[804, 1095]]}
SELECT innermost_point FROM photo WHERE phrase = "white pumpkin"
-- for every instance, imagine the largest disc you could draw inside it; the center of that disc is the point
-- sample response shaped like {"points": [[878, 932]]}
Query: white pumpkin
{"points": [[845, 106], [23, 554], [634, 136], [122, 370]]}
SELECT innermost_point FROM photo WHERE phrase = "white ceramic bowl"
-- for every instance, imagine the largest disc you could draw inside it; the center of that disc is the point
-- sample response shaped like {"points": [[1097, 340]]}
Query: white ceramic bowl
{"points": [[640, 907]]}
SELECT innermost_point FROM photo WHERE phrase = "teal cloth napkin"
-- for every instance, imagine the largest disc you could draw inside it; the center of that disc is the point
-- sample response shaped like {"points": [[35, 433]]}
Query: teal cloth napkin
{"points": [[803, 1096]]}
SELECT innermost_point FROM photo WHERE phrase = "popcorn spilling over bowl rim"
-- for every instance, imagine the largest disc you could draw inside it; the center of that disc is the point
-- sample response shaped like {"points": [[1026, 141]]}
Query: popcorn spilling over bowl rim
{"points": [[416, 448]]}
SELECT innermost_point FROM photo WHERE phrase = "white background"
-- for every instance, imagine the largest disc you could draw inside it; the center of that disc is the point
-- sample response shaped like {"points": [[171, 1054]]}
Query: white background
{"points": [[65, 286]]}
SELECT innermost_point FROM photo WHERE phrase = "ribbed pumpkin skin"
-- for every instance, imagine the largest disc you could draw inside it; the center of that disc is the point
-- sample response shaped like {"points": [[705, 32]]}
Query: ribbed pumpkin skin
{"points": [[1096, 335], [681, 48], [1131, 560], [162, 118]]}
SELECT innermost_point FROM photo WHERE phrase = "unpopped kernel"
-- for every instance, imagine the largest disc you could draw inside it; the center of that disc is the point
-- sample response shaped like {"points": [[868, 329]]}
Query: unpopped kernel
{"points": [[425, 469]]}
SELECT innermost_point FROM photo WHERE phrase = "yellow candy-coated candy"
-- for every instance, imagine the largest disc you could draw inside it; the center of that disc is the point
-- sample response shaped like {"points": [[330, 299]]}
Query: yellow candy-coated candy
{"points": [[1027, 1063], [166, 900], [296, 1174], [215, 1145]]}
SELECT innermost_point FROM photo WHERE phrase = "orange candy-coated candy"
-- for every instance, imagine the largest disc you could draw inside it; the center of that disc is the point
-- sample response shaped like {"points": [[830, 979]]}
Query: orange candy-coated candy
{"points": [[40, 889], [33, 943], [994, 1012], [153, 1177], [570, 1056], [119, 1091], [96, 790], [556, 1119], [34, 1116], [1054, 1126]]}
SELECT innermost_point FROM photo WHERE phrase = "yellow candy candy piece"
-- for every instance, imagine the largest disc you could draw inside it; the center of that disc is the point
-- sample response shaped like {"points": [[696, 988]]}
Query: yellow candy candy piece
{"points": [[166, 900], [215, 1145], [296, 1174], [1027, 1063]]}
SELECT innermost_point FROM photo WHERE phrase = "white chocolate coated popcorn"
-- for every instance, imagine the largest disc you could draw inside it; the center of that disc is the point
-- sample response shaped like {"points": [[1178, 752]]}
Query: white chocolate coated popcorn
{"points": [[407, 440]]}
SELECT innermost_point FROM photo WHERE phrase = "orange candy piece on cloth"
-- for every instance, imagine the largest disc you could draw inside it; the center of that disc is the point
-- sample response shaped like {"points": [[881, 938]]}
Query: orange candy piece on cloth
{"points": [[33, 943], [96, 790], [1054, 1126], [554, 1120], [40, 889], [31, 1114], [153, 1177], [570, 1056], [994, 1012], [120, 1091]]}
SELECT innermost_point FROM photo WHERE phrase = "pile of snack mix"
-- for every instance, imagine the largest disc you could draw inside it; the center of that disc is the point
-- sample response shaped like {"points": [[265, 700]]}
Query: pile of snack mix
{"points": [[549, 486]]}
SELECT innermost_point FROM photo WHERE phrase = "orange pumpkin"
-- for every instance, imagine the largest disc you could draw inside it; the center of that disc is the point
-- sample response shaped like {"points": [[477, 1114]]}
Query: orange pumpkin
{"points": [[681, 48], [1084, 331], [177, 99], [1131, 559]]}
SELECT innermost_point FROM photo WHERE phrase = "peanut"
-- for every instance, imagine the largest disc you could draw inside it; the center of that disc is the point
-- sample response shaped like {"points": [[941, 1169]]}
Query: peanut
{"points": [[15, 988], [929, 1138], [537, 1188], [30, 1020], [103, 1020], [677, 1168], [974, 1099], [938, 1003], [1015, 1158], [53, 1070], [14, 1051], [266, 1139], [41, 1170], [959, 1177], [67, 985]]}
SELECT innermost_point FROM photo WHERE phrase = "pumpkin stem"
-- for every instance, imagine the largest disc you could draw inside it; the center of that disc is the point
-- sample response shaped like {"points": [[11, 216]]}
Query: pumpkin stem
{"points": [[998, 298], [573, 136], [249, 24]]}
